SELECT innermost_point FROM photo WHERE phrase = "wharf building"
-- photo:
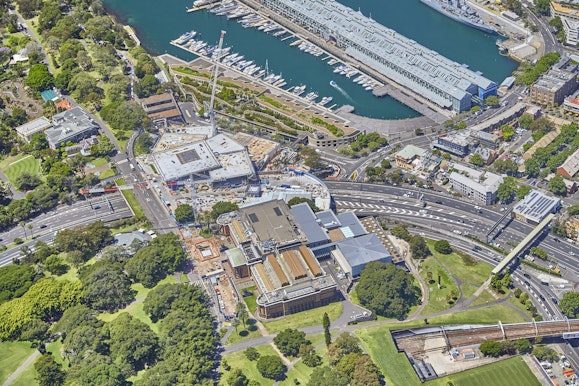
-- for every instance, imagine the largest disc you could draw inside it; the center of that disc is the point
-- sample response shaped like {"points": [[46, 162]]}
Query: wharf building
{"points": [[402, 60], [282, 250], [481, 186]]}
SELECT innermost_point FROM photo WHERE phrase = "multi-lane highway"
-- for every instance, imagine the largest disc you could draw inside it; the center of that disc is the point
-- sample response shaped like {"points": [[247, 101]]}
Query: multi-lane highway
{"points": [[105, 208], [445, 209]]}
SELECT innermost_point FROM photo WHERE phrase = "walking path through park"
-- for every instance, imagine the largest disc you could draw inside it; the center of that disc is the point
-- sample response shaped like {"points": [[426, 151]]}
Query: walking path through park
{"points": [[22, 367]]}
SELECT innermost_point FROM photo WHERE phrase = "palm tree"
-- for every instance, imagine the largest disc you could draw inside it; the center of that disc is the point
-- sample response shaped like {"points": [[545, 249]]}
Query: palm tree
{"points": [[241, 312], [235, 324], [30, 227], [22, 224]]}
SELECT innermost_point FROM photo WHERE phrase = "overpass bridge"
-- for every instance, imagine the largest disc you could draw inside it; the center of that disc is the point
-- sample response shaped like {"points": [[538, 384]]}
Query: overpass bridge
{"points": [[523, 244], [430, 339]]}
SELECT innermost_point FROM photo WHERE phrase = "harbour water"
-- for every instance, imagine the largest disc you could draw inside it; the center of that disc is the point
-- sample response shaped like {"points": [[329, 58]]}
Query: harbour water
{"points": [[157, 23]]}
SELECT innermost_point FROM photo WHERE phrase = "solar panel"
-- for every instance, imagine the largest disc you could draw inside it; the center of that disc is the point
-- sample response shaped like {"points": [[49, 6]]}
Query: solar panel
{"points": [[188, 156], [253, 217]]}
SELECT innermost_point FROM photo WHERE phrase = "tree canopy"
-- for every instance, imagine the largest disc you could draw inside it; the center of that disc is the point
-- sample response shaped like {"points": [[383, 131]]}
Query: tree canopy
{"points": [[39, 78], [185, 214], [289, 341], [223, 207], [106, 286], [387, 290], [570, 304], [298, 200], [443, 246], [15, 280], [271, 367]]}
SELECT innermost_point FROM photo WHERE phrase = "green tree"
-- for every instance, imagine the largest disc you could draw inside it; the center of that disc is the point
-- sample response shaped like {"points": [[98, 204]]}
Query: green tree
{"points": [[106, 286], [289, 341], [525, 121], [506, 166], [27, 181], [39, 78], [271, 367], [326, 325], [133, 345], [223, 207], [15, 280], [251, 353], [570, 304], [443, 246], [523, 191], [343, 345], [542, 6], [366, 373], [492, 101], [544, 353], [387, 290], [241, 312], [477, 160], [523, 346], [237, 378], [506, 190], [508, 132], [491, 348], [327, 376], [419, 248], [48, 371], [557, 186], [185, 213], [298, 200]]}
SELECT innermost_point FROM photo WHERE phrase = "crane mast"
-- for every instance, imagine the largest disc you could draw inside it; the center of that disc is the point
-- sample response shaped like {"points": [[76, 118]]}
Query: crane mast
{"points": [[211, 112]]}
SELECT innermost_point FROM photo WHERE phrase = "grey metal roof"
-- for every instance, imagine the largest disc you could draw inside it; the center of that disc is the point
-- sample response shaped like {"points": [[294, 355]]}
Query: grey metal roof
{"points": [[426, 71], [362, 250], [328, 219], [69, 124], [349, 219], [306, 219], [34, 126], [536, 205]]}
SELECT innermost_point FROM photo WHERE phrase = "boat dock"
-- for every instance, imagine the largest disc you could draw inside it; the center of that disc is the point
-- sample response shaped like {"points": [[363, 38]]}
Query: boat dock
{"points": [[205, 6]]}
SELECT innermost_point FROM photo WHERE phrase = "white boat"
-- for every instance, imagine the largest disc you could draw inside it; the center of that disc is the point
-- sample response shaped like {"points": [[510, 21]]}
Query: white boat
{"points": [[260, 74], [325, 101], [369, 88], [311, 96]]}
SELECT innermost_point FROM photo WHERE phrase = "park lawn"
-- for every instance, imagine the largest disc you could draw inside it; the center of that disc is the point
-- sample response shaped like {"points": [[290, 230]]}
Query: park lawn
{"points": [[132, 201], [437, 297], [70, 275], [19, 165], [508, 372], [301, 372], [136, 311], [237, 360], [107, 173], [305, 318], [184, 278], [27, 377], [242, 335], [12, 354], [487, 315], [475, 274], [394, 365], [485, 297], [467, 290], [54, 348], [99, 162], [514, 301]]}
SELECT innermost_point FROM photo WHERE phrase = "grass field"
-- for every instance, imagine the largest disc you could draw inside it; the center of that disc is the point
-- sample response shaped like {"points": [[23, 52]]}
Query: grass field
{"points": [[242, 334], [99, 162], [467, 290], [130, 197], [54, 348], [12, 354], [250, 301], [509, 372], [237, 360], [484, 298], [26, 378], [107, 173], [301, 372], [486, 315], [474, 274], [305, 318], [394, 365], [18, 165], [437, 298]]}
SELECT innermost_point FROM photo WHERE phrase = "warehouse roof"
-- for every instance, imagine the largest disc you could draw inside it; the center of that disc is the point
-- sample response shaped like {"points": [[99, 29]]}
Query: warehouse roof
{"points": [[536, 206]]}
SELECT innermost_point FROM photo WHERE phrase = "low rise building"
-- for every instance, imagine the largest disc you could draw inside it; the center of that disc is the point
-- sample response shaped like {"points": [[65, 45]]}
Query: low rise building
{"points": [[353, 254], [553, 86], [570, 19], [535, 207], [572, 228], [70, 126], [570, 167], [409, 158], [457, 144], [481, 186], [488, 140], [27, 130], [162, 107]]}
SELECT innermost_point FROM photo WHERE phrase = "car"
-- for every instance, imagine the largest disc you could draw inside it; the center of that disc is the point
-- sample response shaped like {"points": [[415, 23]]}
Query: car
{"points": [[43, 226], [96, 207], [556, 240], [438, 202]]}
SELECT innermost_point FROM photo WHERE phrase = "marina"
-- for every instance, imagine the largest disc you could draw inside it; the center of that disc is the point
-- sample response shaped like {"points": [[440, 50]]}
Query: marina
{"points": [[478, 52]]}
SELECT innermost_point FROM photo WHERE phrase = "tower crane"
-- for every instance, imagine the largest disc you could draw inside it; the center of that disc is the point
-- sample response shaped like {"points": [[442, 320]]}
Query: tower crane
{"points": [[209, 108]]}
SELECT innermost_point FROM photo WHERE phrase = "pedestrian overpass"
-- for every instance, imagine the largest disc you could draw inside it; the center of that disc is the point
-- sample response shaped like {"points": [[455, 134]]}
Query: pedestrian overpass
{"points": [[523, 244]]}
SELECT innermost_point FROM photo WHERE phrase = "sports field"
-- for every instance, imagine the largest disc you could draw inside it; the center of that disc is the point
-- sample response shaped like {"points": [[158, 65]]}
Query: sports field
{"points": [[510, 372], [19, 165]]}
